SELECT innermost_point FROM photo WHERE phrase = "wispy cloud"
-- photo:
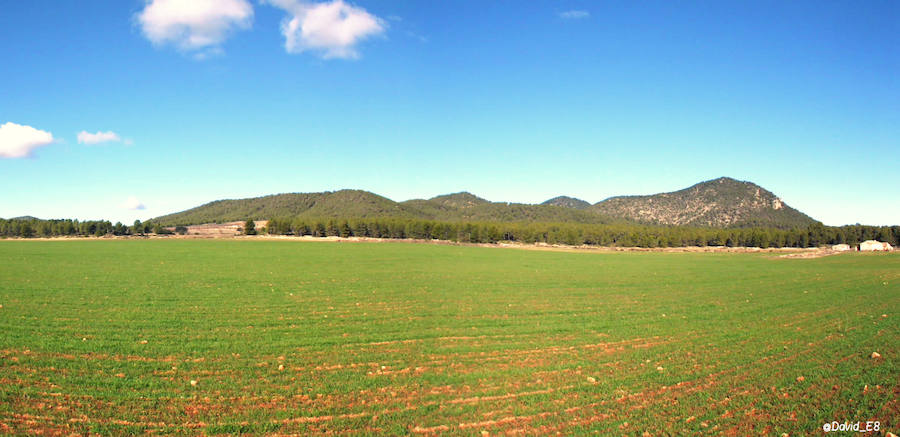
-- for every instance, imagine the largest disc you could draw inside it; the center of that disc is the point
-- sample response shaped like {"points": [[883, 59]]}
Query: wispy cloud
{"points": [[97, 138], [197, 26], [133, 204], [416, 36], [331, 29], [18, 141], [574, 14]]}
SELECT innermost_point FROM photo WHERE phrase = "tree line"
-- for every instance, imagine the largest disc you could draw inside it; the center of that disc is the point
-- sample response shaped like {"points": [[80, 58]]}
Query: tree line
{"points": [[621, 234], [29, 228]]}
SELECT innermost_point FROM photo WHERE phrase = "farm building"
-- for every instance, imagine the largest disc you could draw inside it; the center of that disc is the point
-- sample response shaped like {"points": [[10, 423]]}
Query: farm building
{"points": [[840, 247], [872, 245]]}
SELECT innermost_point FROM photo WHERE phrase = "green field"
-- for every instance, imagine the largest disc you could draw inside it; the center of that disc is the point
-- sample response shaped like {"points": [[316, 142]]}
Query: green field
{"points": [[295, 337]]}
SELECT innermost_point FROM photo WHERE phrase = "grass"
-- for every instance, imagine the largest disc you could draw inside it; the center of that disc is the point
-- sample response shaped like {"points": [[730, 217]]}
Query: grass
{"points": [[104, 337]]}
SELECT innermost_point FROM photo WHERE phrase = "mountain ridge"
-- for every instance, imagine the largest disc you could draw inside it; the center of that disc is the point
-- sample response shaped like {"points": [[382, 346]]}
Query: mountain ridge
{"points": [[722, 202]]}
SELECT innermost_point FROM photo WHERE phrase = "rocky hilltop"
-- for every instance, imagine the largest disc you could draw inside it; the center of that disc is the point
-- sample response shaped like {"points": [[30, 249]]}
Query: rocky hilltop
{"points": [[722, 202]]}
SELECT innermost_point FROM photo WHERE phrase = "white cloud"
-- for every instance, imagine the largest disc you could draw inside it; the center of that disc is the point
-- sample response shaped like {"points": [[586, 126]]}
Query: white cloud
{"points": [[97, 138], [194, 25], [574, 14], [133, 204], [331, 29], [17, 141]]}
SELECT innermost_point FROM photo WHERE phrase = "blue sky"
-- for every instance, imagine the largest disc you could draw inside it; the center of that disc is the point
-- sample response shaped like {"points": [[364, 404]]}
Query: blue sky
{"points": [[513, 101]]}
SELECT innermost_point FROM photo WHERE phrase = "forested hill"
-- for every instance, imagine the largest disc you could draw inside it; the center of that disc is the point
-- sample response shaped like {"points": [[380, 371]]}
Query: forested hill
{"points": [[343, 203], [356, 204], [468, 207], [722, 202], [568, 202]]}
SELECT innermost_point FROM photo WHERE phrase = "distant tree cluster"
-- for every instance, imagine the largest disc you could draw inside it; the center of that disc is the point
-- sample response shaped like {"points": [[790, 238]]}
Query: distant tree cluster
{"points": [[623, 235], [28, 228]]}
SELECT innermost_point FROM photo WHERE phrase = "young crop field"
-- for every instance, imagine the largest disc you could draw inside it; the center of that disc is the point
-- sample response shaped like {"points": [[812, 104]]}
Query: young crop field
{"points": [[286, 337]]}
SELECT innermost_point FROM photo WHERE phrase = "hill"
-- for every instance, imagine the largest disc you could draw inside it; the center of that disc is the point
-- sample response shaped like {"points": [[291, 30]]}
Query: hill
{"points": [[567, 202], [722, 202], [467, 206], [343, 203], [447, 205], [459, 200]]}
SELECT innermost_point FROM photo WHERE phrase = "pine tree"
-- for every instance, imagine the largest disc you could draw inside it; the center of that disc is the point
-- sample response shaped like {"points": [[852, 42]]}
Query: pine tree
{"points": [[249, 227]]}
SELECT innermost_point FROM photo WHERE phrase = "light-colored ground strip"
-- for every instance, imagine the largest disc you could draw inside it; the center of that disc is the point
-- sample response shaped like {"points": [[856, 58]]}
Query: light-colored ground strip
{"points": [[799, 252]]}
